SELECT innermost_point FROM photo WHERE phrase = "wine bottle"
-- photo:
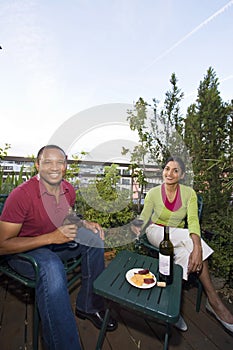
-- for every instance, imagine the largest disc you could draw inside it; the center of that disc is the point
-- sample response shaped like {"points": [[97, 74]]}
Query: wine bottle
{"points": [[166, 253]]}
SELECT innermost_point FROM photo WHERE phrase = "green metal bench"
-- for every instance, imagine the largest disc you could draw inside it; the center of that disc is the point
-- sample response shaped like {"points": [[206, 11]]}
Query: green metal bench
{"points": [[70, 266]]}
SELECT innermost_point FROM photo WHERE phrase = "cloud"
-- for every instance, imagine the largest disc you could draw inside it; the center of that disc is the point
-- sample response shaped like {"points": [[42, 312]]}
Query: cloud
{"points": [[184, 38], [227, 78]]}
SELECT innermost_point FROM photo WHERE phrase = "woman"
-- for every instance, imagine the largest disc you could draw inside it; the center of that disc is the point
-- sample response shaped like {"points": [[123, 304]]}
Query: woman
{"points": [[169, 205]]}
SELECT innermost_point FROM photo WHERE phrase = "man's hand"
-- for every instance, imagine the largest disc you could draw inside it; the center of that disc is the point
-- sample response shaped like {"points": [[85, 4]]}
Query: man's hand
{"points": [[95, 227], [65, 233]]}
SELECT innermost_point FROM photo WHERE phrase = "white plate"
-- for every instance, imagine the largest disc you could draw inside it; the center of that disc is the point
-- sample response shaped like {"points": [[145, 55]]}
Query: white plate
{"points": [[130, 274]]}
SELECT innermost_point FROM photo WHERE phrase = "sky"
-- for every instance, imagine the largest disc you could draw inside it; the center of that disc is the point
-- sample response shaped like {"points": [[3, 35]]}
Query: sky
{"points": [[68, 60]]}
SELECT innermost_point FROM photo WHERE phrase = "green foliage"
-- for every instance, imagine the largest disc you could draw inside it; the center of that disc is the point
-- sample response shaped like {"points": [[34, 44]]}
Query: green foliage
{"points": [[3, 150], [221, 262], [207, 131], [208, 135], [10, 181], [104, 202], [161, 132], [167, 125], [138, 121], [73, 171]]}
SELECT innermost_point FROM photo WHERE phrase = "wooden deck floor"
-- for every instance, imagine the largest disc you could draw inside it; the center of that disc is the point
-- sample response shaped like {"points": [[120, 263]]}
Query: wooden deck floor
{"points": [[134, 332]]}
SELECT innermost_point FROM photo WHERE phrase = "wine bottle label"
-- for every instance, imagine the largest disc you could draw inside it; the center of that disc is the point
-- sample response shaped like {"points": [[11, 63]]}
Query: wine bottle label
{"points": [[164, 264]]}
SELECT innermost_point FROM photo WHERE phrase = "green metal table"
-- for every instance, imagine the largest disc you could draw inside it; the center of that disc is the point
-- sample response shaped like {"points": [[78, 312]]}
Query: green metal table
{"points": [[156, 302]]}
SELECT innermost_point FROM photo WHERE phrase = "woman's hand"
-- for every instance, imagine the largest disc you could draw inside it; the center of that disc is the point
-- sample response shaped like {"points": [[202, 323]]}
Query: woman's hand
{"points": [[136, 226], [135, 229], [195, 258]]}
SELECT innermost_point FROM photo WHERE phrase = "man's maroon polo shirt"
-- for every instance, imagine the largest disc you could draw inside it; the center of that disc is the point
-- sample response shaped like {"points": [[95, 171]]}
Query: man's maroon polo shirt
{"points": [[38, 211]]}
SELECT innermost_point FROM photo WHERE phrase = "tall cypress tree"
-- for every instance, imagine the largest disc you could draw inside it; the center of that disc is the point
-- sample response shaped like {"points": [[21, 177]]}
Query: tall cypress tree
{"points": [[207, 135], [168, 123]]}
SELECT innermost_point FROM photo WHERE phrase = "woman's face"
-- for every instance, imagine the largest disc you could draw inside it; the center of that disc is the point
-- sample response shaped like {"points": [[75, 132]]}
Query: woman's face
{"points": [[172, 173]]}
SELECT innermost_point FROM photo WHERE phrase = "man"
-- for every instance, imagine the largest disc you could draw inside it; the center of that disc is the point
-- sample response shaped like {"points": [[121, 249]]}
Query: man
{"points": [[33, 221]]}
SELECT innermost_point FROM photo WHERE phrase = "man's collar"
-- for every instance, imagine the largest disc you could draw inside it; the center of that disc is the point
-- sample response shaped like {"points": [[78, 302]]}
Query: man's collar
{"points": [[43, 190]]}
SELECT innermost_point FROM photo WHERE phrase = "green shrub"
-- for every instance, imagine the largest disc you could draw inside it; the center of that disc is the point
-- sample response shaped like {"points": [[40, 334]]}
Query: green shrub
{"points": [[102, 201], [221, 240]]}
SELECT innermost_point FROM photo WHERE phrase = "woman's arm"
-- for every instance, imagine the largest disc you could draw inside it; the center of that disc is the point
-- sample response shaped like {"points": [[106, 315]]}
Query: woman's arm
{"points": [[192, 214], [195, 258], [145, 215]]}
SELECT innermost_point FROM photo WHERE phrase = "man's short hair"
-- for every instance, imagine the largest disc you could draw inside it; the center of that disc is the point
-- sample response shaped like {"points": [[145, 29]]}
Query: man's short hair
{"points": [[39, 154]]}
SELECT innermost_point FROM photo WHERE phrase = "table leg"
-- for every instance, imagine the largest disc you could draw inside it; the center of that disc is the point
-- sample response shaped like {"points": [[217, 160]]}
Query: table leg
{"points": [[167, 334], [103, 330]]}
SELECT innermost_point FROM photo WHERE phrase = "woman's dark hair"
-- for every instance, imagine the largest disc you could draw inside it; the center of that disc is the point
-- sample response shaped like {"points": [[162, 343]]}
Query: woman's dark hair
{"points": [[49, 147], [178, 160]]}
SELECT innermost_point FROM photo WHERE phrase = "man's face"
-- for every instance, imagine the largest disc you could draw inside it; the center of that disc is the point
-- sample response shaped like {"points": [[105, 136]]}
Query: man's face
{"points": [[51, 166]]}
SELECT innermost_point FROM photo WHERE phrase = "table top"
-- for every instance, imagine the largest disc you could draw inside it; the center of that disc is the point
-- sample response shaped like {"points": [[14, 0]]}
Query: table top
{"points": [[158, 302]]}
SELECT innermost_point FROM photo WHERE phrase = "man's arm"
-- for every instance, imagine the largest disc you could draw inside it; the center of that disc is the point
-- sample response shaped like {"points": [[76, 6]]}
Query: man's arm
{"points": [[11, 243]]}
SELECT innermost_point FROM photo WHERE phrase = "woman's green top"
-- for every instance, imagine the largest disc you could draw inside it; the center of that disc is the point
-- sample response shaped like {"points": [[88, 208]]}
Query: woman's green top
{"points": [[154, 210]]}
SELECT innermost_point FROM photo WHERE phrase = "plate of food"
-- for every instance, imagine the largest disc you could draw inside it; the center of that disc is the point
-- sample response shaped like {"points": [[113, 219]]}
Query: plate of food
{"points": [[141, 278]]}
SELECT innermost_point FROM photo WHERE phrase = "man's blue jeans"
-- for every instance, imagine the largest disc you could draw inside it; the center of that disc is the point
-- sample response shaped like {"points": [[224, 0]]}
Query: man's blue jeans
{"points": [[57, 317]]}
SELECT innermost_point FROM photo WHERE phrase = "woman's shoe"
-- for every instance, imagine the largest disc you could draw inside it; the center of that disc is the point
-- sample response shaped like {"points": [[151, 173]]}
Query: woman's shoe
{"points": [[227, 326]]}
